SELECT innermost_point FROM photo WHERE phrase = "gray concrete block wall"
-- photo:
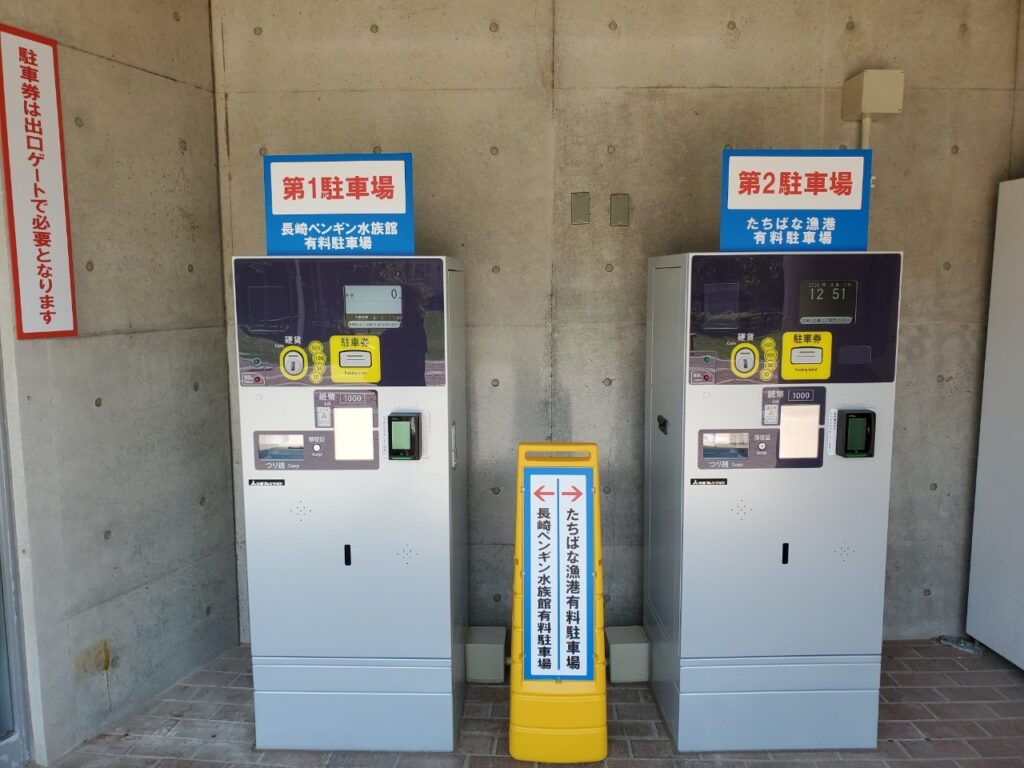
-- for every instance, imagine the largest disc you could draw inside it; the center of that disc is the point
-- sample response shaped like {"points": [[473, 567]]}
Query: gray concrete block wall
{"points": [[120, 459], [510, 107]]}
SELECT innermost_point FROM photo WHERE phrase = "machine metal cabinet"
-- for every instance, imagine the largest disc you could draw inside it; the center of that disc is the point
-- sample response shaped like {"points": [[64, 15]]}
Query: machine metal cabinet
{"points": [[352, 413], [995, 610], [770, 389]]}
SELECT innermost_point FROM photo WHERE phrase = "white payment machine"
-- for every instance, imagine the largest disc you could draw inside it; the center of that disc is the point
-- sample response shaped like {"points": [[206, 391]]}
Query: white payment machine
{"points": [[769, 420], [352, 408]]}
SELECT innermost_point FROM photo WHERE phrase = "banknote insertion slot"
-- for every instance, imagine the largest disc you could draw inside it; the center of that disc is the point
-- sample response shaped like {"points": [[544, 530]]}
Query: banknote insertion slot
{"points": [[353, 434], [798, 432]]}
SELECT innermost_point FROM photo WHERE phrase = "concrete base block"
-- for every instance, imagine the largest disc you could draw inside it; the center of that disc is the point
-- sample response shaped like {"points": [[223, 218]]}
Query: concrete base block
{"points": [[628, 654], [485, 654]]}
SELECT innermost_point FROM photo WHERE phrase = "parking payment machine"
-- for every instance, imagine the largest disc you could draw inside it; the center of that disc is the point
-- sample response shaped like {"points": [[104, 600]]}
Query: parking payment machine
{"points": [[769, 418], [352, 412]]}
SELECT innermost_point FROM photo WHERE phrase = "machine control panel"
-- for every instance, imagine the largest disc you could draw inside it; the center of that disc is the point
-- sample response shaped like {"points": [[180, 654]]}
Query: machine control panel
{"points": [[792, 317], [791, 434], [379, 323], [338, 331], [346, 436]]}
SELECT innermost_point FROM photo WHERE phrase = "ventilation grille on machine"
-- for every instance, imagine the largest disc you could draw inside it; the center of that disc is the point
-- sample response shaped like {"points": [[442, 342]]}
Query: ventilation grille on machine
{"points": [[845, 551], [300, 510], [407, 554], [741, 509]]}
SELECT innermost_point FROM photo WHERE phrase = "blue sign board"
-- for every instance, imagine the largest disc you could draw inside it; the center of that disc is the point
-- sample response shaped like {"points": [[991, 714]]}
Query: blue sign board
{"points": [[795, 200], [339, 204]]}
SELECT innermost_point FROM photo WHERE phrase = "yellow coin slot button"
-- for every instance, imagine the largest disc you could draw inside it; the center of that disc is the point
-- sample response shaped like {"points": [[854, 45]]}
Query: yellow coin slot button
{"points": [[294, 363], [744, 360]]}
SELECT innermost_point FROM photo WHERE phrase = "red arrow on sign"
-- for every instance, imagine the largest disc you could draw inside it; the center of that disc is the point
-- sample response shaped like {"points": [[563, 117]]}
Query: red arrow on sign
{"points": [[540, 493], [575, 493]]}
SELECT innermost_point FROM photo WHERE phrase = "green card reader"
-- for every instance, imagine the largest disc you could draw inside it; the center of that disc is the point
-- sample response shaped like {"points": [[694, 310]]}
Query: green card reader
{"points": [[855, 435], [404, 436]]}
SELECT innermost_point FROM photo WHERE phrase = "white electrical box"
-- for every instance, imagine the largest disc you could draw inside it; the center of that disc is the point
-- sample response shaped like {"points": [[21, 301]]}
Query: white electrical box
{"points": [[353, 431], [769, 419], [873, 92]]}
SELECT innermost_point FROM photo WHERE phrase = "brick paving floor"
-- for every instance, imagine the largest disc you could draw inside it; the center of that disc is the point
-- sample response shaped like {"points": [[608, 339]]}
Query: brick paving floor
{"points": [[940, 709]]}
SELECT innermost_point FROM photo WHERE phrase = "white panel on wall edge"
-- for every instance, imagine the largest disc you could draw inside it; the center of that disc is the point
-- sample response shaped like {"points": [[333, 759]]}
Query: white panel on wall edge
{"points": [[995, 611]]}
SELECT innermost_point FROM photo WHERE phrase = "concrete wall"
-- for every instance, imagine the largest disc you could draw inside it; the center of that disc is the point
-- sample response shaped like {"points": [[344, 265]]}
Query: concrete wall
{"points": [[121, 466], [511, 106]]}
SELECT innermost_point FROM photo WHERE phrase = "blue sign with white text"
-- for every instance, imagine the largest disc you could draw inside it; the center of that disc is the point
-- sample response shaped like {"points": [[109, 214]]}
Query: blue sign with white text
{"points": [[795, 200], [339, 204], [558, 573]]}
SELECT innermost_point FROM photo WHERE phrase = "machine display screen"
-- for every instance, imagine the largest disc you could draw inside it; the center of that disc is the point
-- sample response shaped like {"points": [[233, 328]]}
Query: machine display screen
{"points": [[282, 447], [401, 435], [857, 435], [828, 302], [373, 306], [725, 445]]}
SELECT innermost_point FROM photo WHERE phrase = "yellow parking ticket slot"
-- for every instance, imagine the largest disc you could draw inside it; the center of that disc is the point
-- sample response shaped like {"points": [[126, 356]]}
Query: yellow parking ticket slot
{"points": [[807, 356], [558, 700], [355, 359]]}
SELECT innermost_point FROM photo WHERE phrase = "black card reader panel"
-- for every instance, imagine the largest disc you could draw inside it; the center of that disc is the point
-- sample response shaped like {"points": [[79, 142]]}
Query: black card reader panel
{"points": [[855, 435], [404, 436]]}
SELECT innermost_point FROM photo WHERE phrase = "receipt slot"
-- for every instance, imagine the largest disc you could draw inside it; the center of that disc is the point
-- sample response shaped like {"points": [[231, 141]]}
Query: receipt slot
{"points": [[770, 390], [351, 402]]}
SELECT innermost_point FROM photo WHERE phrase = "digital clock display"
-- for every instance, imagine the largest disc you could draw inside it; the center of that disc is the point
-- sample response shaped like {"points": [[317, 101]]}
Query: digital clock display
{"points": [[373, 306], [828, 302]]}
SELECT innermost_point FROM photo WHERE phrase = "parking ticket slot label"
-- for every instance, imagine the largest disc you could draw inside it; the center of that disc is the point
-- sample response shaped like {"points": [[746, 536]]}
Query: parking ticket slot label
{"points": [[807, 356], [355, 359]]}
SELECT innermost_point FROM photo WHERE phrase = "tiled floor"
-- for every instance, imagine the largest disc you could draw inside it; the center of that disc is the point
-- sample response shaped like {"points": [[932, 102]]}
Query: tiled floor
{"points": [[940, 709]]}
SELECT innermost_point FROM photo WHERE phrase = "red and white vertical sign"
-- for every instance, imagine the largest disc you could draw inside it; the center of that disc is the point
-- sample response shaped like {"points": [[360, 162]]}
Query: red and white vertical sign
{"points": [[37, 211]]}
